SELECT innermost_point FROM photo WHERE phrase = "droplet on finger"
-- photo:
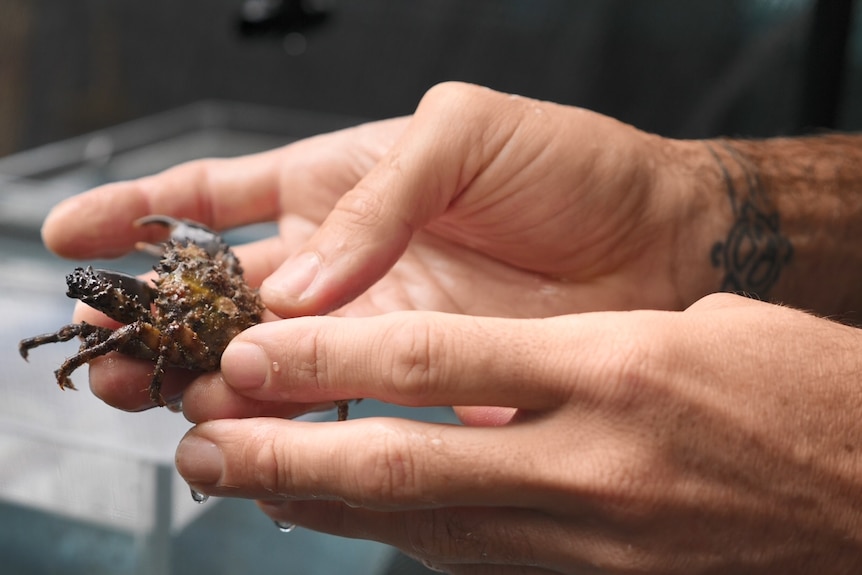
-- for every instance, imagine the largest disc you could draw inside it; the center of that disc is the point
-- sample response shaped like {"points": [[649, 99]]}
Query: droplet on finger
{"points": [[198, 497]]}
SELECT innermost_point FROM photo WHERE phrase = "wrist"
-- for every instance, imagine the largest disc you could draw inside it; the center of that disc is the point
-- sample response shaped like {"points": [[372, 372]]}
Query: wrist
{"points": [[813, 184], [777, 219], [691, 194]]}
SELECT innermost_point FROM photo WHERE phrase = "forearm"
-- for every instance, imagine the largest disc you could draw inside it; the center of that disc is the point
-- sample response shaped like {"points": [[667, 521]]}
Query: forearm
{"points": [[779, 219]]}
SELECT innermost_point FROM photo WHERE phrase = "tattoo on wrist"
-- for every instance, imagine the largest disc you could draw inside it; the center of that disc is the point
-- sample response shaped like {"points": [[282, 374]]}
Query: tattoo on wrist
{"points": [[755, 251]]}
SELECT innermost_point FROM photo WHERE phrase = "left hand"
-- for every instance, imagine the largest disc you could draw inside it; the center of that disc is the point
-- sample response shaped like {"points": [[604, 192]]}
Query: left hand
{"points": [[480, 203], [722, 439]]}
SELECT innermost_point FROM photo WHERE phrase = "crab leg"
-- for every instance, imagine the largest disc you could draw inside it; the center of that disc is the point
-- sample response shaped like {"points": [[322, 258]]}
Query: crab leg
{"points": [[65, 333], [343, 408], [129, 338], [165, 339], [176, 344]]}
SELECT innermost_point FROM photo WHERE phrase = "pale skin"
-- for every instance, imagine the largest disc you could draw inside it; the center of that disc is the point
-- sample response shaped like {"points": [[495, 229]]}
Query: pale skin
{"points": [[696, 434]]}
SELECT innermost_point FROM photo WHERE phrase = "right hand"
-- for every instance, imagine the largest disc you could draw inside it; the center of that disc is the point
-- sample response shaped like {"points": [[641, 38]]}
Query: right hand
{"points": [[722, 439]]}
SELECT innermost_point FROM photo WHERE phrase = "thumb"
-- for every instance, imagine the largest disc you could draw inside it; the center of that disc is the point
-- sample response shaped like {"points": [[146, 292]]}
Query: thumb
{"points": [[356, 244], [441, 151]]}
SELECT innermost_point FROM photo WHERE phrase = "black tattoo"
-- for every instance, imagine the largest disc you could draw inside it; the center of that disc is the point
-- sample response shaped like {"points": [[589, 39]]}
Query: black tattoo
{"points": [[755, 251]]}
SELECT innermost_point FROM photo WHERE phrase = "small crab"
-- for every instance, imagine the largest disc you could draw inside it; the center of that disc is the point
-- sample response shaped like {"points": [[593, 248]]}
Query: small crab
{"points": [[185, 318]]}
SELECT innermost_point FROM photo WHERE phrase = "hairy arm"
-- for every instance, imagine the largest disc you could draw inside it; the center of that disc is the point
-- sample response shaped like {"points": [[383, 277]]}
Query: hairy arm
{"points": [[778, 219]]}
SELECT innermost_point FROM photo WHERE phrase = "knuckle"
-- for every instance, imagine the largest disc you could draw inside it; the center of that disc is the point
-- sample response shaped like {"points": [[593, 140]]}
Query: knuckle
{"points": [[267, 463], [437, 535], [719, 300], [309, 368], [622, 483], [450, 92], [636, 365], [414, 356], [463, 104], [362, 207], [387, 475], [466, 535], [632, 363]]}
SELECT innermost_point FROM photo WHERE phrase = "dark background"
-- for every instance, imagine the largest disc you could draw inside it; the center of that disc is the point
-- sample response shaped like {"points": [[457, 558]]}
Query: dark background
{"points": [[677, 67]]}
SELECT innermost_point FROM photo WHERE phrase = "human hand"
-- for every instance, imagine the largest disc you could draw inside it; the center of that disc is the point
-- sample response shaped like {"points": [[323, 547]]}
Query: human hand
{"points": [[481, 203], [722, 439]]}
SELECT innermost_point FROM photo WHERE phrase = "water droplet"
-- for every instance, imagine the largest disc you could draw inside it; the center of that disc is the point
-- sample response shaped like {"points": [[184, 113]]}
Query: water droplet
{"points": [[284, 526], [275, 367], [198, 496], [176, 405]]}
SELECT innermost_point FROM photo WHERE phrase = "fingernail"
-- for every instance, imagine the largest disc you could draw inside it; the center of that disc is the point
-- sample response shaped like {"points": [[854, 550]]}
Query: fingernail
{"points": [[295, 277], [199, 461], [245, 365]]}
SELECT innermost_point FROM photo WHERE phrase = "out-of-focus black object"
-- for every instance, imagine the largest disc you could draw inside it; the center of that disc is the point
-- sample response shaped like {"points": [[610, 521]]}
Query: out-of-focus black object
{"points": [[825, 64], [278, 17]]}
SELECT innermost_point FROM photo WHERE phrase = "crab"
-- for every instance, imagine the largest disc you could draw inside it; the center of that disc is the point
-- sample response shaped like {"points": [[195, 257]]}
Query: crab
{"points": [[185, 318]]}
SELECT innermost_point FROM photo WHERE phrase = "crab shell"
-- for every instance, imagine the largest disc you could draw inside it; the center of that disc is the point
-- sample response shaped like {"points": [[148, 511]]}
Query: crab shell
{"points": [[205, 302]]}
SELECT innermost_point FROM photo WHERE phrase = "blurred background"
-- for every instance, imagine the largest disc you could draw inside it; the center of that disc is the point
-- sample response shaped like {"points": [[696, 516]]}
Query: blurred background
{"points": [[98, 90], [689, 69]]}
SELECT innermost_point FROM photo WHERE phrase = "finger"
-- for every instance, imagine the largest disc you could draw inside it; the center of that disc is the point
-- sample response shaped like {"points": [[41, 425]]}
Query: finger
{"points": [[371, 225], [219, 193], [463, 539], [259, 258], [408, 463], [123, 382], [484, 416], [84, 313], [473, 569], [408, 358], [208, 398]]}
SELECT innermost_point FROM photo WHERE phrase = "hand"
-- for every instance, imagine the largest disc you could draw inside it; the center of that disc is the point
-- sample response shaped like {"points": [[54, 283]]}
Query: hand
{"points": [[481, 203], [722, 439]]}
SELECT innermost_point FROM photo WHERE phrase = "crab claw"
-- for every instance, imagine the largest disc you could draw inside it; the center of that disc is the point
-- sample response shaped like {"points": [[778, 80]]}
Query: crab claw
{"points": [[130, 285], [120, 296], [184, 231]]}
